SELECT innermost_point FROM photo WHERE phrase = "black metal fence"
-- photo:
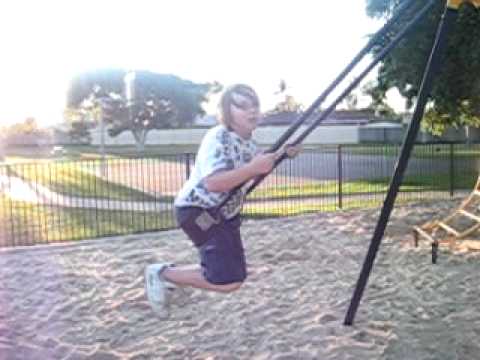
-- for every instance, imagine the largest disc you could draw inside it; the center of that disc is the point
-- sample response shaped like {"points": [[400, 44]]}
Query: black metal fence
{"points": [[51, 201]]}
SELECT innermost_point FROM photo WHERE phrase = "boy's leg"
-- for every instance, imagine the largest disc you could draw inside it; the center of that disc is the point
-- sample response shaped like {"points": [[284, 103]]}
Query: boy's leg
{"points": [[193, 276], [223, 266]]}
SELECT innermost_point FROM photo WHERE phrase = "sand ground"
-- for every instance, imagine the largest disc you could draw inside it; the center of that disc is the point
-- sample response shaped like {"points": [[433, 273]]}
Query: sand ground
{"points": [[86, 300]]}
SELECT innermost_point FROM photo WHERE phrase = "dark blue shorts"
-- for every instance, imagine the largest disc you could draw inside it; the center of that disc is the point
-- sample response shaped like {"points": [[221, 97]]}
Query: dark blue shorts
{"points": [[222, 256]]}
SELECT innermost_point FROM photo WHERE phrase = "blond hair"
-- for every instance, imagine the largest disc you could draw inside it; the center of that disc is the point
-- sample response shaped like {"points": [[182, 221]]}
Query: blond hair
{"points": [[225, 116]]}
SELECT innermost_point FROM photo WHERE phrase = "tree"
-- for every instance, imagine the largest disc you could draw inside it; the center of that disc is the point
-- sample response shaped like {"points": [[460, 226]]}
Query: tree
{"points": [[455, 98], [26, 133], [80, 125], [161, 101], [378, 103], [28, 126], [80, 132]]}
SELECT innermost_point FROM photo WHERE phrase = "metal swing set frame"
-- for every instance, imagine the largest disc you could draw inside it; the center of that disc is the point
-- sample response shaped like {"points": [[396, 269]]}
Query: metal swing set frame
{"points": [[433, 65]]}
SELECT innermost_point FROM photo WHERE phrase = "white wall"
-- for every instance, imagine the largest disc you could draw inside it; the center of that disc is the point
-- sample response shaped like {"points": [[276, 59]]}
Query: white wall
{"points": [[264, 135]]}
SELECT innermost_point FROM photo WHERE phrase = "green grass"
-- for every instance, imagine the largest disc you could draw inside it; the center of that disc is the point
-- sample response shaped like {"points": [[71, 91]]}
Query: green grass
{"points": [[261, 211], [439, 182], [25, 224], [75, 178]]}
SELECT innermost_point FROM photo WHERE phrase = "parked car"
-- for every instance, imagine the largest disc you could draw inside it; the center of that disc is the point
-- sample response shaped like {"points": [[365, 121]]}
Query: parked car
{"points": [[58, 151]]}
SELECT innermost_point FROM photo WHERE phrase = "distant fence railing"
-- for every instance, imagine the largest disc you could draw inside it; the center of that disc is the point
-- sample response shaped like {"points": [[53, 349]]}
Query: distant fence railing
{"points": [[50, 201]]}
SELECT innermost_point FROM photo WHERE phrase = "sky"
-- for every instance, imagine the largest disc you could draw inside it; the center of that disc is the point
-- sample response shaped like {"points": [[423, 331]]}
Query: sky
{"points": [[304, 42]]}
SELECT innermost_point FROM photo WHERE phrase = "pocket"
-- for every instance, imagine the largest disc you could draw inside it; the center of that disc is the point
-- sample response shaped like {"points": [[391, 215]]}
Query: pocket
{"points": [[187, 220], [183, 214]]}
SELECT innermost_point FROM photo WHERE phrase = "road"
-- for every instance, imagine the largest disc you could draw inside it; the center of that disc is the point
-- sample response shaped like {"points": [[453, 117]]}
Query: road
{"points": [[324, 166]]}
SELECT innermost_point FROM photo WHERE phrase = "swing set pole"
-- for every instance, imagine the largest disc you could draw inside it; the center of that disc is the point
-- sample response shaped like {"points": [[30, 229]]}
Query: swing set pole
{"points": [[448, 18], [325, 114]]}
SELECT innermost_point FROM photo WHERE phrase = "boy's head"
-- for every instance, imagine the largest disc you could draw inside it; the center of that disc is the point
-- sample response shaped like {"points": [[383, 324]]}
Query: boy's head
{"points": [[240, 96]]}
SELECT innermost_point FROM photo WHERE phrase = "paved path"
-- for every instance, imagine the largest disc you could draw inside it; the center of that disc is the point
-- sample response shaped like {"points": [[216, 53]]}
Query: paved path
{"points": [[323, 165]]}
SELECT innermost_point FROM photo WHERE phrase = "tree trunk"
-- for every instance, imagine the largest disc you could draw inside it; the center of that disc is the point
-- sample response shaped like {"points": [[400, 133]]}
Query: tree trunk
{"points": [[140, 137]]}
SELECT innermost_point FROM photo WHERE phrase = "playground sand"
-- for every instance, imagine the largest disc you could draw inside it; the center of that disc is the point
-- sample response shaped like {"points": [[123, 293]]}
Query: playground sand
{"points": [[86, 301]]}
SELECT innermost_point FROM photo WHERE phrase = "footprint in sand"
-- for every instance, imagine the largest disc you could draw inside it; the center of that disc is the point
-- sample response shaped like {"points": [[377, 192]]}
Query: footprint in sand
{"points": [[290, 255], [327, 318]]}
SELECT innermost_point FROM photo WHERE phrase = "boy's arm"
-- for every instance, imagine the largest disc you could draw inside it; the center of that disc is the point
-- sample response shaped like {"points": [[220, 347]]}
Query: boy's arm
{"points": [[261, 164], [229, 179]]}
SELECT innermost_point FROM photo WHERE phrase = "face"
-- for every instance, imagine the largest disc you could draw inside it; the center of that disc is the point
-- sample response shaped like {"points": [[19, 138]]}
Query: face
{"points": [[245, 114]]}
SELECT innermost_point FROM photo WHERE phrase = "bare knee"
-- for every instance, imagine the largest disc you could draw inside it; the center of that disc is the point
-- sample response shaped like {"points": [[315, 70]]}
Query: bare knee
{"points": [[228, 288]]}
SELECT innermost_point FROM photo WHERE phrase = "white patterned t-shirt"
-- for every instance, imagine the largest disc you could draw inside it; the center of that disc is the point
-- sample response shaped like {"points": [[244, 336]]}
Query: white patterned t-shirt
{"points": [[220, 150]]}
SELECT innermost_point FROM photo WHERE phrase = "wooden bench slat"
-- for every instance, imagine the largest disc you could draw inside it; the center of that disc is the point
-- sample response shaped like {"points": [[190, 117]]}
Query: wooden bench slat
{"points": [[448, 229]]}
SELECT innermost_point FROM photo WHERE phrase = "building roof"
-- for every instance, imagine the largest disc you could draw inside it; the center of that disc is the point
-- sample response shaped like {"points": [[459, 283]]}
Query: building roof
{"points": [[339, 117], [287, 118]]}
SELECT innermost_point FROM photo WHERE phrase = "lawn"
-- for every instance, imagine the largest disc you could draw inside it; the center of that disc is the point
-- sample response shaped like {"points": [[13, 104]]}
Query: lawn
{"points": [[293, 208], [76, 178], [26, 224], [413, 183]]}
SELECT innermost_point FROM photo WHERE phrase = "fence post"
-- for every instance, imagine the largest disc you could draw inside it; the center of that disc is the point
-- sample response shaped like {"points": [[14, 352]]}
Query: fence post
{"points": [[340, 176], [12, 225], [452, 172], [187, 165]]}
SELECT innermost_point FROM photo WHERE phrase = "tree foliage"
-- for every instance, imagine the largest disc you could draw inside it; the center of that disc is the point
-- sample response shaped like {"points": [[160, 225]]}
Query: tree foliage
{"points": [[455, 98], [161, 101], [25, 133], [378, 104], [28, 126], [80, 132]]}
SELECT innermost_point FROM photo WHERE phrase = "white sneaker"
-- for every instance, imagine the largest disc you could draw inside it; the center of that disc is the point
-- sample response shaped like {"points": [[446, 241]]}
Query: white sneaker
{"points": [[156, 288]]}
